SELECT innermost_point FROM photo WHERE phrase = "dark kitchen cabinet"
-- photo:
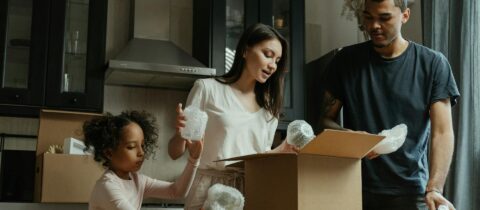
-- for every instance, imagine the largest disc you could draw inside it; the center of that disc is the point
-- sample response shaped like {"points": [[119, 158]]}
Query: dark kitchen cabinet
{"points": [[23, 56], [218, 25], [53, 55]]}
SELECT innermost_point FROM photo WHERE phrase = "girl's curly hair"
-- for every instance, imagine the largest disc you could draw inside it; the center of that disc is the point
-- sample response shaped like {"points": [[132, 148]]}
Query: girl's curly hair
{"points": [[104, 133]]}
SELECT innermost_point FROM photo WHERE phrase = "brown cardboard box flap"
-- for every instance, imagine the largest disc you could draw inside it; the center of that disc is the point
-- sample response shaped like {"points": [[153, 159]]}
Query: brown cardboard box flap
{"points": [[342, 144], [256, 156], [333, 143]]}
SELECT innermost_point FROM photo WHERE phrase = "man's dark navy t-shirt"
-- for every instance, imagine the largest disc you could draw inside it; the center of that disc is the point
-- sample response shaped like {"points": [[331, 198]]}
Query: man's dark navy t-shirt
{"points": [[379, 94]]}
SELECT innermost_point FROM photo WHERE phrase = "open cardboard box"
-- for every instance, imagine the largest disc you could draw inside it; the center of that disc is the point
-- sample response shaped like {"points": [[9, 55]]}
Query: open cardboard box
{"points": [[63, 178], [325, 174]]}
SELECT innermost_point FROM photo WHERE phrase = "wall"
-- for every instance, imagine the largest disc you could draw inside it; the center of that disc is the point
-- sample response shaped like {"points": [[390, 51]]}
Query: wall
{"points": [[327, 29], [412, 30], [118, 27], [165, 20], [181, 14]]}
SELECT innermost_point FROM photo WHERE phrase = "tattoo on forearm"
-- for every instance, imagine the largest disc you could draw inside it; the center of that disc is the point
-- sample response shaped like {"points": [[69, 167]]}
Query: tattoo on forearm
{"points": [[329, 102]]}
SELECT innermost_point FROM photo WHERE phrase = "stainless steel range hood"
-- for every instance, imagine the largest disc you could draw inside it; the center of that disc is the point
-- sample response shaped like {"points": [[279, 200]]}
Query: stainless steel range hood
{"points": [[155, 63], [151, 59]]}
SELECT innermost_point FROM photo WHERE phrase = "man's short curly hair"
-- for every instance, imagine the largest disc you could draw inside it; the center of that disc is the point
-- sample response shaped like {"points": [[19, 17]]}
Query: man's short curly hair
{"points": [[402, 4], [104, 132]]}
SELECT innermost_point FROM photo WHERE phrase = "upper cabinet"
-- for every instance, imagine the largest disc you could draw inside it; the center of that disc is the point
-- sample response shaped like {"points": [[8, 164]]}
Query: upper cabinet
{"points": [[218, 25], [53, 55], [23, 55], [75, 74]]}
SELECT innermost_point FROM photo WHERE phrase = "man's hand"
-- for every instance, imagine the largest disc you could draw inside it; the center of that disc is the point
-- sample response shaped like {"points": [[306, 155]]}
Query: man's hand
{"points": [[435, 199]]}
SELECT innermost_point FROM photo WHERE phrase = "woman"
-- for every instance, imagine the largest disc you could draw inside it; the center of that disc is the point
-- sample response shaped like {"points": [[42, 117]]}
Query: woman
{"points": [[243, 108]]}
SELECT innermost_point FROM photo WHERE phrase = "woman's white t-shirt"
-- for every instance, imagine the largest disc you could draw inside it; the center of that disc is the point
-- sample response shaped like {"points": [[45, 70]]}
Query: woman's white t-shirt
{"points": [[231, 130]]}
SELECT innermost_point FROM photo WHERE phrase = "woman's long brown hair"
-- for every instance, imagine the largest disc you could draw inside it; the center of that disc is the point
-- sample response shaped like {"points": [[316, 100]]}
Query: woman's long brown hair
{"points": [[269, 95]]}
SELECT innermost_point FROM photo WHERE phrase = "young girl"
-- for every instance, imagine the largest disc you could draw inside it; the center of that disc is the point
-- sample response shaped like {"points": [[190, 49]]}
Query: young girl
{"points": [[243, 107], [121, 143]]}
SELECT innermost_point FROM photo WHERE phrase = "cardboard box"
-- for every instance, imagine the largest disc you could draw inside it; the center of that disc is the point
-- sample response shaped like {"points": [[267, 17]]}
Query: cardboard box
{"points": [[61, 178], [326, 174]]}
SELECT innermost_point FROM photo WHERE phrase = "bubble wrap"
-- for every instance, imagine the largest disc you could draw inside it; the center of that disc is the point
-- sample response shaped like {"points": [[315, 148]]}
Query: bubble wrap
{"points": [[196, 122], [394, 139], [299, 133], [221, 197], [442, 207]]}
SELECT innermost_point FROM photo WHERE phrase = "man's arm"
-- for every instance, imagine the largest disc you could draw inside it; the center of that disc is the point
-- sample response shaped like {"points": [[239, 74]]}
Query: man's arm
{"points": [[441, 152], [331, 107]]}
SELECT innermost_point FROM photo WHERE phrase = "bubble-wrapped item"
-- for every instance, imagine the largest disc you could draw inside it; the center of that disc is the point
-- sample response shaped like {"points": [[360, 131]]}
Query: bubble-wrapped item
{"points": [[222, 197], [299, 133], [442, 207], [196, 122], [394, 139]]}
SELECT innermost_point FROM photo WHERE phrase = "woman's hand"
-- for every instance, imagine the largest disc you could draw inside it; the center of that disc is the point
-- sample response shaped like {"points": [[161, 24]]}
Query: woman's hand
{"points": [[195, 148], [180, 122]]}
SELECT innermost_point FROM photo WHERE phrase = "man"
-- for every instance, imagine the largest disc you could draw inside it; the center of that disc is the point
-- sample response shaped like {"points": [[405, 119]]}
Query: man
{"points": [[385, 82]]}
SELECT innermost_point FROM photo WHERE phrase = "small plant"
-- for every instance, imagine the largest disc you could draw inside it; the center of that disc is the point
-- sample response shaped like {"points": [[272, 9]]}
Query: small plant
{"points": [[354, 9]]}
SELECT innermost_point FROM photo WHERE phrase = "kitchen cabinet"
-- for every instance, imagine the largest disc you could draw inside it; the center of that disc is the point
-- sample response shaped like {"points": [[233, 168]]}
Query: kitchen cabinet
{"points": [[53, 55], [218, 25]]}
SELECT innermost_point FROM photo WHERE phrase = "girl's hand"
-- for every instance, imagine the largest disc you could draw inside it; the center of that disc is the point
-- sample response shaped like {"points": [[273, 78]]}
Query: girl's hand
{"points": [[180, 122], [194, 148]]}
